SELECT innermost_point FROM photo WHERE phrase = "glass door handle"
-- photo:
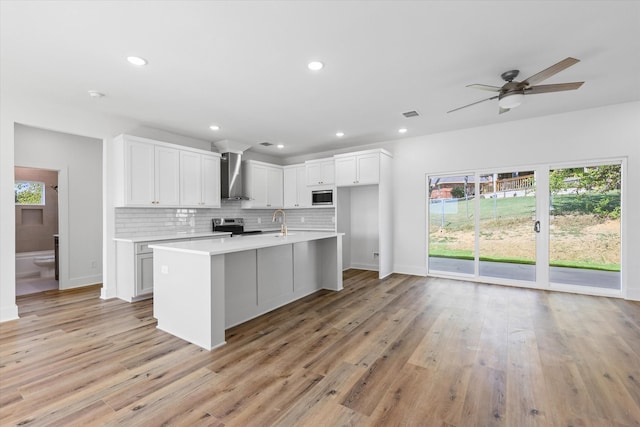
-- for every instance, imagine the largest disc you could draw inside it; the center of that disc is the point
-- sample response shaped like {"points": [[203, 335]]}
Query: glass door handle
{"points": [[536, 226]]}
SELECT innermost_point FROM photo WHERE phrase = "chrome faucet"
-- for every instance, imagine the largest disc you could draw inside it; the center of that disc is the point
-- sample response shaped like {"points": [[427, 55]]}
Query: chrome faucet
{"points": [[283, 227]]}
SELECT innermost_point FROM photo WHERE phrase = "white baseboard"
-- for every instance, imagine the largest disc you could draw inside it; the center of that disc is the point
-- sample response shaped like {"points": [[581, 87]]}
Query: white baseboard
{"points": [[370, 267], [79, 282], [9, 312], [410, 269]]}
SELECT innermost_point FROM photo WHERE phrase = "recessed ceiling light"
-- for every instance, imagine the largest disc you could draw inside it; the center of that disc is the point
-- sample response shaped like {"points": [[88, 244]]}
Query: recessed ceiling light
{"points": [[280, 146], [136, 60], [339, 134], [214, 127], [315, 65], [402, 130], [96, 94]]}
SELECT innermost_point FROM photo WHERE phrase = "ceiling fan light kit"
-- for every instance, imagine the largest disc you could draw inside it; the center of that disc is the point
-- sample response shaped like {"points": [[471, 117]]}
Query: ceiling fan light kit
{"points": [[511, 100], [512, 93]]}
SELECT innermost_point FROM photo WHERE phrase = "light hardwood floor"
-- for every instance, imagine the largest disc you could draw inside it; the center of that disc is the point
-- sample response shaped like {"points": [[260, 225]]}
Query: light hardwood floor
{"points": [[402, 351]]}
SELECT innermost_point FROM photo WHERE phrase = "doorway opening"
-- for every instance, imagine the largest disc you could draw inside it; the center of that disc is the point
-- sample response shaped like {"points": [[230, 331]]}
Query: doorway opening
{"points": [[36, 210]]}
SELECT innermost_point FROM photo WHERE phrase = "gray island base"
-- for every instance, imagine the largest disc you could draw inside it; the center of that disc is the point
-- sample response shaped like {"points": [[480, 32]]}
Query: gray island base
{"points": [[203, 287]]}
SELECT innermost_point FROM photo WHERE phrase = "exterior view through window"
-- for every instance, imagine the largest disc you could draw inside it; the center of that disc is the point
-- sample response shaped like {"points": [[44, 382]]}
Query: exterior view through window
{"points": [[29, 193], [507, 216], [451, 223], [502, 227], [584, 225]]}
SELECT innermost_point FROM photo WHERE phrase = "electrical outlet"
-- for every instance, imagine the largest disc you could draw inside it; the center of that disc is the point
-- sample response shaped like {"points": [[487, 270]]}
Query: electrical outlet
{"points": [[164, 269], [259, 220], [94, 264], [302, 219], [333, 219]]}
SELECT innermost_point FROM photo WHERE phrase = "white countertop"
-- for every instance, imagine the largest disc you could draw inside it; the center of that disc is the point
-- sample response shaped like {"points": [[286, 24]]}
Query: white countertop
{"points": [[244, 242], [173, 236]]}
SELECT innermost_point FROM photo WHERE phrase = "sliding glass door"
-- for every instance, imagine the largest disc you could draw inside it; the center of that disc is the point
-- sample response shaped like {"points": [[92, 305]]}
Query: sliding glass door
{"points": [[544, 226], [584, 225], [507, 239], [452, 223]]}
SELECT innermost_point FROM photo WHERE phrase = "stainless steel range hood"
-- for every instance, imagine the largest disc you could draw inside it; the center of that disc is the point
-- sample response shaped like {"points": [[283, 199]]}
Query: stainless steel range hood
{"points": [[231, 169], [231, 177]]}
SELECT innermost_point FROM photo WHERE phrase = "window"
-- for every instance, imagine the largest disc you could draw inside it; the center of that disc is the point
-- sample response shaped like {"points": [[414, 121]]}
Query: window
{"points": [[29, 193]]}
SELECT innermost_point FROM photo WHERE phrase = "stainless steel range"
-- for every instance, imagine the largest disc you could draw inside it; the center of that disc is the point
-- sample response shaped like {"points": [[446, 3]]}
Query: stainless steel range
{"points": [[233, 225]]}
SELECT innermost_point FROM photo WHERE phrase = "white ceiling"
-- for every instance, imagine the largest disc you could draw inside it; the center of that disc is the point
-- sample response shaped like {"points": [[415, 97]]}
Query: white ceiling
{"points": [[242, 64]]}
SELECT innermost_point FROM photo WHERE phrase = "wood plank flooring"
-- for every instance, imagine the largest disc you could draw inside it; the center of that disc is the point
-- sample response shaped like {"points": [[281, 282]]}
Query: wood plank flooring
{"points": [[405, 351]]}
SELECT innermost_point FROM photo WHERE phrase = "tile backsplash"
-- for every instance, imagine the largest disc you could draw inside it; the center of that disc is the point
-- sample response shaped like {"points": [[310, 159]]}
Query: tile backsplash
{"points": [[136, 222]]}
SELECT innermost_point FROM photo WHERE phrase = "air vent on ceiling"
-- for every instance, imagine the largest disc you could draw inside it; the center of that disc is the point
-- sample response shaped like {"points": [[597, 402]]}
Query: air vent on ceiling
{"points": [[266, 144], [410, 114]]}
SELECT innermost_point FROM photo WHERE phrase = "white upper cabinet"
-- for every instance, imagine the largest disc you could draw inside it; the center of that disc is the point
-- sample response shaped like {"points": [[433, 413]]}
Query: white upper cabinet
{"points": [[320, 172], [263, 184], [199, 179], [139, 173], [152, 174], [296, 192], [167, 176], [156, 174], [211, 180], [357, 169]]}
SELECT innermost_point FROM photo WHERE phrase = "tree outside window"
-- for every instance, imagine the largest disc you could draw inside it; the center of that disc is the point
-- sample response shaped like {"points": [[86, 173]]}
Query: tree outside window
{"points": [[29, 193]]}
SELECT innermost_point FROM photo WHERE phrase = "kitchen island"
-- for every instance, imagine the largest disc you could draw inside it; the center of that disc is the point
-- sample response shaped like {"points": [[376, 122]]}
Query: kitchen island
{"points": [[203, 287]]}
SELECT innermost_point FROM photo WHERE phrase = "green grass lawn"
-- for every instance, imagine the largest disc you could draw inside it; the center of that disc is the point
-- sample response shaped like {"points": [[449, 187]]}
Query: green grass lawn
{"points": [[525, 207], [514, 211]]}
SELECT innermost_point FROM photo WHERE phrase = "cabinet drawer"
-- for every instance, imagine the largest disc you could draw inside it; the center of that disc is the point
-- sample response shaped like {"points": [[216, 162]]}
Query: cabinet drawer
{"points": [[143, 248]]}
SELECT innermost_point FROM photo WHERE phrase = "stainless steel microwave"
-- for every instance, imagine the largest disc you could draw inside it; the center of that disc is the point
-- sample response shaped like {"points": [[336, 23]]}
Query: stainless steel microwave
{"points": [[322, 197]]}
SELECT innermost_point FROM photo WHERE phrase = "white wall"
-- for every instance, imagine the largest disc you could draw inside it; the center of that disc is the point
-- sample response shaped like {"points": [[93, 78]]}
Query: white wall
{"points": [[612, 131], [79, 162], [607, 132], [38, 113]]}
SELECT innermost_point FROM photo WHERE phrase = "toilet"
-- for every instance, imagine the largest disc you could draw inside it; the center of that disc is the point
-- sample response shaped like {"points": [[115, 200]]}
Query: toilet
{"points": [[46, 264]]}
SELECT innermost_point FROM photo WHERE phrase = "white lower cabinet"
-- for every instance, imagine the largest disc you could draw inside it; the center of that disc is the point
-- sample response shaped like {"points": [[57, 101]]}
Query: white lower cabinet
{"points": [[144, 274], [134, 267]]}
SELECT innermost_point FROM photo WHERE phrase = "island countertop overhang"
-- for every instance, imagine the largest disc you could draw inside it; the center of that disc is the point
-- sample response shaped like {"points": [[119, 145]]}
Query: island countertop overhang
{"points": [[225, 245]]}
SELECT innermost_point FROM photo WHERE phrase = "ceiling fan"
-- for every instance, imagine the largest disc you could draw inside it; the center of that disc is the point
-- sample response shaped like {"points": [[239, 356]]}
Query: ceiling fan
{"points": [[512, 93]]}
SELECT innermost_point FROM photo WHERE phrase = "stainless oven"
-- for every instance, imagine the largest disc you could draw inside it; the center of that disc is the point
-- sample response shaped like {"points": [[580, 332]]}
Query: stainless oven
{"points": [[322, 197]]}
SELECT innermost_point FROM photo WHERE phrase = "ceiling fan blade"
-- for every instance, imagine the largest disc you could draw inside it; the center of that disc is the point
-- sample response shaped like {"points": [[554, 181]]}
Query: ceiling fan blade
{"points": [[545, 74], [485, 87], [473, 103], [552, 88]]}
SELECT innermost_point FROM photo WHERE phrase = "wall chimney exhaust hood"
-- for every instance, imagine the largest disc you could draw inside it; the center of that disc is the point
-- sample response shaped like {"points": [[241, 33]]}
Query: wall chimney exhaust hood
{"points": [[231, 169]]}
